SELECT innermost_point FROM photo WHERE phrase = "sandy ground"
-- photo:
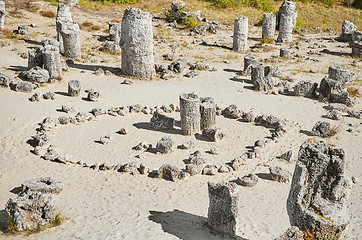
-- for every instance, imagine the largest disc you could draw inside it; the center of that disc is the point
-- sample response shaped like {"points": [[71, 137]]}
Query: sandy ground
{"points": [[111, 205]]}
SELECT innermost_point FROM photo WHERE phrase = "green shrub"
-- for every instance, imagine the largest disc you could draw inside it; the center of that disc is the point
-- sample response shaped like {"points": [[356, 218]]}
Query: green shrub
{"points": [[117, 1], [259, 4]]}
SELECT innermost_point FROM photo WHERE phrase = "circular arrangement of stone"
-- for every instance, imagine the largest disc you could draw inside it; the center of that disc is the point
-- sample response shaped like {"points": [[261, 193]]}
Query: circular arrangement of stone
{"points": [[196, 163]]}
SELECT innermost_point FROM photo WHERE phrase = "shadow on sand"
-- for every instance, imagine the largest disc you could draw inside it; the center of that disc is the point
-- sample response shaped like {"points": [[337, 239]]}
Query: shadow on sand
{"points": [[185, 225]]}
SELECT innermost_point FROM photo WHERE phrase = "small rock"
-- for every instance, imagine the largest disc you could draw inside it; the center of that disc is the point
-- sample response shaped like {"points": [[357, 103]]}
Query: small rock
{"points": [[93, 96], [334, 115], [122, 131], [279, 174], [187, 145], [35, 97], [210, 170], [355, 180], [165, 145], [288, 156], [49, 95], [249, 180], [213, 151]]}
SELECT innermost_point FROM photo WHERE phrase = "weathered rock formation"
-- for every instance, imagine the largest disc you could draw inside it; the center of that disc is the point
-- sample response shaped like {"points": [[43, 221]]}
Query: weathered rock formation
{"points": [[137, 44], [63, 15], [161, 122], [190, 113], [240, 39], [70, 33], [287, 21], [319, 191], [114, 31], [2, 14], [347, 30], [223, 208], [207, 112], [268, 25], [356, 44], [74, 88]]}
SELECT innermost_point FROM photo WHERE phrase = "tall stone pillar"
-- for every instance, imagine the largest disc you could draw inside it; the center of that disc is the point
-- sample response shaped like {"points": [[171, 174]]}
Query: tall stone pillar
{"points": [[268, 25], [190, 113], [70, 33], [137, 44], [240, 40], [287, 21], [2, 14], [63, 15]]}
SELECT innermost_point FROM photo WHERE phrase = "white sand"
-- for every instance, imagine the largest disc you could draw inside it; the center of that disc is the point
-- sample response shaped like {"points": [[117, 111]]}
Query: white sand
{"points": [[111, 205]]}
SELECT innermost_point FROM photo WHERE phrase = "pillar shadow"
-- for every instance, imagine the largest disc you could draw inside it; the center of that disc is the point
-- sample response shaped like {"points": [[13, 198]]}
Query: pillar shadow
{"points": [[185, 225], [114, 70], [32, 42], [147, 126], [215, 45]]}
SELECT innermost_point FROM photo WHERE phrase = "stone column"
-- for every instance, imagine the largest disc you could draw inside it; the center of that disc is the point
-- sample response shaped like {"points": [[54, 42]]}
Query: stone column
{"points": [[35, 58], [190, 113], [207, 112], [51, 61], [240, 40], [223, 208], [2, 14], [70, 33], [347, 30], [249, 60], [319, 191], [257, 72], [287, 21], [356, 44], [269, 24], [284, 53], [74, 88], [137, 44], [63, 15], [114, 31]]}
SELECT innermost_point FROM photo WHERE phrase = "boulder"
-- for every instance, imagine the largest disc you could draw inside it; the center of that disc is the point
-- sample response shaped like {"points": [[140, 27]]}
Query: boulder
{"points": [[43, 185], [279, 174], [321, 129], [161, 122], [36, 74], [168, 172], [249, 180], [165, 145]]}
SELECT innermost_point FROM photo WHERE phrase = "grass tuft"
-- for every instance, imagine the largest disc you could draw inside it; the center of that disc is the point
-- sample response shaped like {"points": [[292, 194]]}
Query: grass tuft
{"points": [[334, 130], [353, 91], [48, 13]]}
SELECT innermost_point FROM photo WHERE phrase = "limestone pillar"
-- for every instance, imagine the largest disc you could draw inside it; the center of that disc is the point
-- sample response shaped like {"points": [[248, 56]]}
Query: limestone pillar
{"points": [[2, 14], [268, 25], [137, 44], [190, 113], [240, 40], [70, 33], [63, 15], [51, 61], [114, 31], [208, 112], [287, 21]]}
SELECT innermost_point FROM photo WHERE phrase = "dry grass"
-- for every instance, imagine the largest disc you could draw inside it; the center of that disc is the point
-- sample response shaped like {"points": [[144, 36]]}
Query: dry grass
{"points": [[334, 130], [48, 13], [96, 28], [353, 91], [86, 24]]}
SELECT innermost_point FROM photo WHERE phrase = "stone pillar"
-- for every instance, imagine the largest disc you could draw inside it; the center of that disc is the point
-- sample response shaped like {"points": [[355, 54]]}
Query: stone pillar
{"points": [[287, 21], [137, 44], [2, 14], [257, 72], [51, 61], [240, 40], [347, 30], [249, 60], [269, 24], [63, 15], [35, 58], [74, 88], [356, 44], [114, 31], [319, 191], [190, 113], [223, 208], [70, 33], [207, 112], [284, 53]]}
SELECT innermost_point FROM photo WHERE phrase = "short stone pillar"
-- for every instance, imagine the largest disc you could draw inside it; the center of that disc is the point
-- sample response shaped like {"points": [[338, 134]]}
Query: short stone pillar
{"points": [[51, 61], [240, 39], [63, 15], [35, 57], [207, 112], [70, 33], [2, 14], [74, 88], [190, 113], [223, 208], [284, 53], [257, 72], [319, 191], [268, 25], [114, 31], [287, 21], [249, 60], [137, 44], [356, 44], [347, 30]]}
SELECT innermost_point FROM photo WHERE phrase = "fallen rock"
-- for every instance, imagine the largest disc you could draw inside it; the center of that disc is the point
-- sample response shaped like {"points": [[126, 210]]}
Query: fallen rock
{"points": [[249, 180], [35, 74], [287, 156], [169, 172], [321, 129], [165, 145], [213, 133], [334, 115], [178, 66], [210, 170], [187, 145], [161, 122]]}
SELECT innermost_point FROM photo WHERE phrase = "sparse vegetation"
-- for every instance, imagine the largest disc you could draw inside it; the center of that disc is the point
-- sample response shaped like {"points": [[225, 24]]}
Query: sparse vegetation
{"points": [[353, 91], [10, 227], [334, 130], [48, 13]]}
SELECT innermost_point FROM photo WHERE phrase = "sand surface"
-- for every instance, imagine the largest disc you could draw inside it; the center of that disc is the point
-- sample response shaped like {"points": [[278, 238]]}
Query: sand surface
{"points": [[112, 205]]}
